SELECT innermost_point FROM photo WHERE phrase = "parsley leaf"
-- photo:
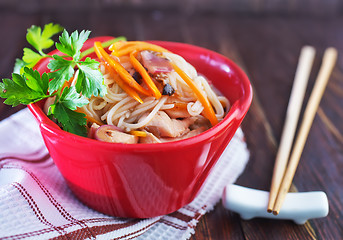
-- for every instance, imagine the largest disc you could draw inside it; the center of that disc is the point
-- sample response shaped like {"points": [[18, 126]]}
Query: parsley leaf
{"points": [[62, 110], [42, 40], [71, 45], [31, 58], [35, 81], [20, 90], [29, 86], [90, 79], [73, 122], [71, 99], [61, 70]]}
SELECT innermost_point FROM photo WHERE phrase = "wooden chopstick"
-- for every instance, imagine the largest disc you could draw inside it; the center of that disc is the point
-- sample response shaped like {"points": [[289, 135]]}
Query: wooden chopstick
{"points": [[329, 60], [292, 115]]}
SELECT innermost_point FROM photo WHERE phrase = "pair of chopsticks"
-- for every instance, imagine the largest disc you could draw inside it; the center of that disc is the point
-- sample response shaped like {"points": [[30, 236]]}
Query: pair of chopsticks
{"points": [[282, 177]]}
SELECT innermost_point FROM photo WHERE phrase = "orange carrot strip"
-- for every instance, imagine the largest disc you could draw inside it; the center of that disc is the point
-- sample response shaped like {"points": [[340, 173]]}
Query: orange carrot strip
{"points": [[140, 46], [119, 46], [138, 133], [208, 109], [89, 118], [67, 83], [180, 105], [129, 90], [102, 54], [146, 77]]}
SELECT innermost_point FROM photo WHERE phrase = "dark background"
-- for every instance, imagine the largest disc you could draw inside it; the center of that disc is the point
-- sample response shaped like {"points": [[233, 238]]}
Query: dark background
{"points": [[264, 37]]}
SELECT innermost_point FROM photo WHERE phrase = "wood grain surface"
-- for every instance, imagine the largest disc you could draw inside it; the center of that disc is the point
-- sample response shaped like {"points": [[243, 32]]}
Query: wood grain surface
{"points": [[267, 47]]}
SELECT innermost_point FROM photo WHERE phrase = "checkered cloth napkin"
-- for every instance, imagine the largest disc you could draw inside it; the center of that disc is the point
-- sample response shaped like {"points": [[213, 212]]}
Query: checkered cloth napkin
{"points": [[35, 202]]}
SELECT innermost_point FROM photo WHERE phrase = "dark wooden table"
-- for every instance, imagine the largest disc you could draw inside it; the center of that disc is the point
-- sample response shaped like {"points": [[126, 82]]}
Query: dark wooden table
{"points": [[267, 48]]}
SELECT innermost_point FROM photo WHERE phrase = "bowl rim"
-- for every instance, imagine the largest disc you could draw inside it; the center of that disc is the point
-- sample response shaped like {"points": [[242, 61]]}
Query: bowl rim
{"points": [[237, 111]]}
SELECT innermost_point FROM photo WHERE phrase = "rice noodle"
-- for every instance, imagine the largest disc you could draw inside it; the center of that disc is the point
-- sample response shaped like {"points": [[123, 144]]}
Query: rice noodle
{"points": [[194, 109], [120, 109], [148, 118]]}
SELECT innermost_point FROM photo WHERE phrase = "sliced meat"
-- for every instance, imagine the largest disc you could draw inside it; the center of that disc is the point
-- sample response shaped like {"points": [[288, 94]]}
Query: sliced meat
{"points": [[163, 126], [193, 133], [187, 135], [177, 113], [109, 133], [150, 138], [155, 64], [179, 110], [120, 137]]}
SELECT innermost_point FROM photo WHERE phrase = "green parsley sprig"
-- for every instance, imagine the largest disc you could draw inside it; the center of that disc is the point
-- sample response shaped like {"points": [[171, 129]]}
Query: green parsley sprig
{"points": [[28, 86], [39, 40]]}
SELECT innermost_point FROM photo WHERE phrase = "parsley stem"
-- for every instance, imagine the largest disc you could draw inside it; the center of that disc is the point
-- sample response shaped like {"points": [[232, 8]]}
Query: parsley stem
{"points": [[44, 55], [104, 44]]}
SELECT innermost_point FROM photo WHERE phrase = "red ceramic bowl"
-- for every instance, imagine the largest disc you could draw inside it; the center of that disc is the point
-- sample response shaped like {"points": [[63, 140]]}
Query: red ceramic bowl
{"points": [[147, 180]]}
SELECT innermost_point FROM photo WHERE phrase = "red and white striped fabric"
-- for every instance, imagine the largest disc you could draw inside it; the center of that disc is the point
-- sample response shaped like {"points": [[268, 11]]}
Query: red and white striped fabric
{"points": [[35, 202]]}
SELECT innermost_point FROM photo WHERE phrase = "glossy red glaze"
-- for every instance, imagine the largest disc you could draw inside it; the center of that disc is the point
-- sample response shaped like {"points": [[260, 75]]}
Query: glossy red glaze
{"points": [[147, 180]]}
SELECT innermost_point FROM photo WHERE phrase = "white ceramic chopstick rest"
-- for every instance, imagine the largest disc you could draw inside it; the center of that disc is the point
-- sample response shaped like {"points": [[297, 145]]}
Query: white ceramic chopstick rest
{"points": [[299, 207]]}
